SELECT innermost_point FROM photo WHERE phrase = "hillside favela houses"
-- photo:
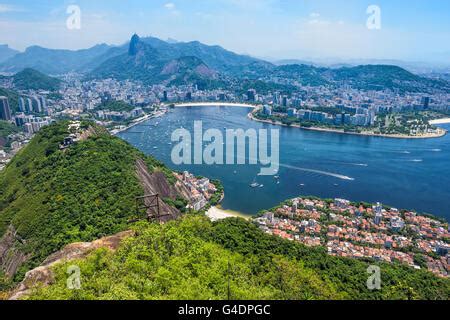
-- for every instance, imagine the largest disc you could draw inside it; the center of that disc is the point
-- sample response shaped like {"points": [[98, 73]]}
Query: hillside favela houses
{"points": [[358, 231]]}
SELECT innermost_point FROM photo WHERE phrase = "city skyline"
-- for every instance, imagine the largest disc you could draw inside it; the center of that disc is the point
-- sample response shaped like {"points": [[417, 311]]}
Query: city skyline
{"points": [[268, 29]]}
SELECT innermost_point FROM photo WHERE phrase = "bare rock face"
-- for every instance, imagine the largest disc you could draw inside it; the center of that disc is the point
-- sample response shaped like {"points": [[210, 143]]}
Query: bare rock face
{"points": [[43, 274], [10, 256], [156, 183]]}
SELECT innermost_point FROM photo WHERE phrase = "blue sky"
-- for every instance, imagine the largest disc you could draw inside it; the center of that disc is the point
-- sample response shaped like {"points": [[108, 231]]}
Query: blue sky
{"points": [[415, 30]]}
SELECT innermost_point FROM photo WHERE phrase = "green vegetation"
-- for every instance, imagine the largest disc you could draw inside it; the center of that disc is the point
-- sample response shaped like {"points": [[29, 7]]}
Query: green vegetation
{"points": [[348, 275], [30, 79], [145, 63], [218, 196], [117, 106], [304, 74], [382, 77], [402, 123], [5, 285], [6, 129], [193, 258], [178, 203], [263, 87], [408, 123], [55, 96], [54, 197], [13, 98], [177, 261]]}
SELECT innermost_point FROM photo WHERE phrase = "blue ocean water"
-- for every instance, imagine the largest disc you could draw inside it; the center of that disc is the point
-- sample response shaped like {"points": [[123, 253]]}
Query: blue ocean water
{"points": [[404, 173]]}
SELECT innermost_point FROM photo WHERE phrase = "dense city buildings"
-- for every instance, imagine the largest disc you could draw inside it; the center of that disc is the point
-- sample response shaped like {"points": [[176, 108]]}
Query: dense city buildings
{"points": [[5, 110], [118, 104], [364, 232]]}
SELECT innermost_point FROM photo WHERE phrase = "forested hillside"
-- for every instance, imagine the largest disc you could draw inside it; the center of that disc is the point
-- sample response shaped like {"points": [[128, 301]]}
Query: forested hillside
{"points": [[51, 197], [30, 79], [193, 258]]}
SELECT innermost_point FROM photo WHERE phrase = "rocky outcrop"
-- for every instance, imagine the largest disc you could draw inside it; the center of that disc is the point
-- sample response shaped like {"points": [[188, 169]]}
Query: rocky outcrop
{"points": [[11, 258], [44, 275], [157, 183]]}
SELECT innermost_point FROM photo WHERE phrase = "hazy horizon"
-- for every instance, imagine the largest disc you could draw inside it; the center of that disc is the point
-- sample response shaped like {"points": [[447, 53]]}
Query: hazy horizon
{"points": [[409, 31]]}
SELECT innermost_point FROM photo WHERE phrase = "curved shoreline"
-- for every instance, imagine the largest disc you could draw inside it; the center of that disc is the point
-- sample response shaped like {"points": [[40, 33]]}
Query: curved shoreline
{"points": [[441, 134], [256, 108], [214, 104], [216, 213], [137, 121], [440, 121]]}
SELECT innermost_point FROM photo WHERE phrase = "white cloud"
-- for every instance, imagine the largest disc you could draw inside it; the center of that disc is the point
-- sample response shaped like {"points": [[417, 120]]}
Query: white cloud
{"points": [[170, 6], [314, 15], [172, 9], [4, 8]]}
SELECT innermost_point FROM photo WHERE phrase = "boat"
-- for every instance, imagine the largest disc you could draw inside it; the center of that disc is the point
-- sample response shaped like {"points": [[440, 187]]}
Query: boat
{"points": [[254, 185]]}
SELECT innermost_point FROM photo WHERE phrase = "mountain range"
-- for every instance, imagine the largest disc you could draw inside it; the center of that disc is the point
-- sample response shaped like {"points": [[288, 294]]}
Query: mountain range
{"points": [[43, 59], [152, 61], [54, 61], [6, 52], [146, 63]]}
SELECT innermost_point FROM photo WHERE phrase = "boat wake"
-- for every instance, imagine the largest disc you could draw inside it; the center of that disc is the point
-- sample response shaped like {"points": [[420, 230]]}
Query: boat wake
{"points": [[359, 164], [325, 173]]}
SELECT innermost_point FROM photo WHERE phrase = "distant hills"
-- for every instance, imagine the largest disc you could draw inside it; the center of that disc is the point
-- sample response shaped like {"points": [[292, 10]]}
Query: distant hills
{"points": [[30, 79], [52, 61], [146, 63], [215, 57], [152, 60], [366, 77], [6, 52]]}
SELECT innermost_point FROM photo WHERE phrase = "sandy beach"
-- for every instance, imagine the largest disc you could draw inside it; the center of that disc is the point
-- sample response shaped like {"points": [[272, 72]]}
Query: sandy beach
{"points": [[440, 121], [214, 104], [138, 121], [216, 213]]}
